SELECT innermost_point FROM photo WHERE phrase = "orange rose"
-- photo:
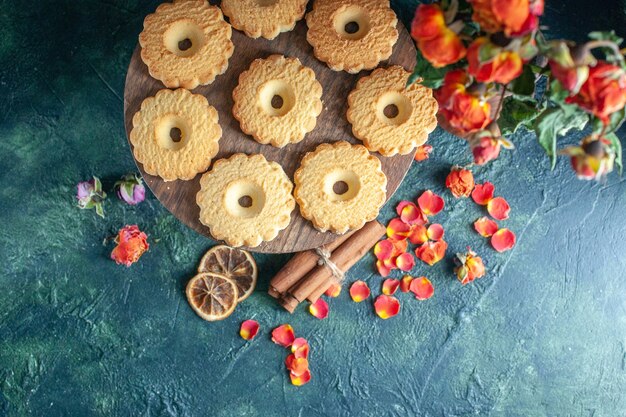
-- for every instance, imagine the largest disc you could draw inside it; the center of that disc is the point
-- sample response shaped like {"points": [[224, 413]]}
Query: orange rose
{"points": [[490, 63], [460, 182], [465, 111], [438, 43], [513, 17], [131, 244], [604, 92]]}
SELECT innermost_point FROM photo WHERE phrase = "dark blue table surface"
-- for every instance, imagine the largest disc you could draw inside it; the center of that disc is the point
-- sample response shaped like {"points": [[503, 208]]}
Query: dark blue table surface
{"points": [[543, 334]]}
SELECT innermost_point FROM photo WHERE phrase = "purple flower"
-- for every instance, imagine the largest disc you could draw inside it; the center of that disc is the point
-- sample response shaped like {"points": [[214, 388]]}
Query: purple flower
{"points": [[90, 195], [130, 189]]}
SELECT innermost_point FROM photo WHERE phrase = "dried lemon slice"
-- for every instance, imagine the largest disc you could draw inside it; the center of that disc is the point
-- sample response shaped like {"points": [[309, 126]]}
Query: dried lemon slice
{"points": [[235, 264], [212, 296]]}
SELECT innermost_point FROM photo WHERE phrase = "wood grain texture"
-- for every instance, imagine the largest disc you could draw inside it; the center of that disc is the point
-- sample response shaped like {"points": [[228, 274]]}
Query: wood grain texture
{"points": [[179, 197]]}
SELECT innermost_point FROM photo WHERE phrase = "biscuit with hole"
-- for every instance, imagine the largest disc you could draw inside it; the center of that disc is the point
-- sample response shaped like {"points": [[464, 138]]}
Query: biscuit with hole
{"points": [[186, 43], [264, 18], [352, 35], [277, 100], [340, 187], [175, 134], [389, 118], [245, 200]]}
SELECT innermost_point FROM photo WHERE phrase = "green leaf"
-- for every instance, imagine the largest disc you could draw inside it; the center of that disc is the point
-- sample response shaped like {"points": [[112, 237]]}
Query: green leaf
{"points": [[431, 77], [616, 145], [524, 85], [517, 112], [555, 122], [606, 36], [546, 127]]}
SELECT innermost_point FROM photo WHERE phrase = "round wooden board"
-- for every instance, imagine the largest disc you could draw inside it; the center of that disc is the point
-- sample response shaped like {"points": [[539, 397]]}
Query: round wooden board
{"points": [[179, 197]]}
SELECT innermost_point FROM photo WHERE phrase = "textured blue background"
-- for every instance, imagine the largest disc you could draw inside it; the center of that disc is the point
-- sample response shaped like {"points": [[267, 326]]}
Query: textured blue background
{"points": [[543, 334]]}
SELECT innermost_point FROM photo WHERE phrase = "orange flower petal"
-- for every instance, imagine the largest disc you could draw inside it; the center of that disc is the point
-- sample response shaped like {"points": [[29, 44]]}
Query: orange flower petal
{"points": [[333, 291], [411, 214], [359, 291], [405, 262], [422, 288], [386, 306], [319, 309], [483, 193], [300, 348], [283, 335], [296, 366], [397, 229], [405, 283], [430, 203], [432, 252], [299, 380], [498, 208], [485, 226], [435, 231], [390, 286], [383, 269], [249, 329], [503, 240], [418, 234], [383, 249], [423, 152]]}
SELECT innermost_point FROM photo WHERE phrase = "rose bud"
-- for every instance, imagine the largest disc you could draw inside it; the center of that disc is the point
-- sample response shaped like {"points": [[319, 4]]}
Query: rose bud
{"points": [[90, 195], [604, 92], [570, 65], [130, 189], [464, 108], [592, 159], [131, 244], [469, 266], [439, 44], [460, 182], [485, 148]]}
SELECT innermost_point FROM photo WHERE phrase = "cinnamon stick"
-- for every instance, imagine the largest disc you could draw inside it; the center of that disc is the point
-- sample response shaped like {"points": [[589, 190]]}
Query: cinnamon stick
{"points": [[298, 266], [344, 257], [321, 289]]}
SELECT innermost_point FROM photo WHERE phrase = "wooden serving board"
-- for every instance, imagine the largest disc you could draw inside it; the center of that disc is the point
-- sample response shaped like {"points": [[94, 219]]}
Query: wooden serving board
{"points": [[179, 197]]}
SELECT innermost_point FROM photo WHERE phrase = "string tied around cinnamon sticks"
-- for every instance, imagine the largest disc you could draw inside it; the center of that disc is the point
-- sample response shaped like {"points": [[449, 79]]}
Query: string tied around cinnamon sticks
{"points": [[308, 274], [324, 259]]}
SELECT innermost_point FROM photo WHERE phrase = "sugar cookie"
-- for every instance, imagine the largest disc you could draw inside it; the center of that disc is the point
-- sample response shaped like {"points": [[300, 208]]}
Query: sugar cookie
{"points": [[352, 35], [340, 186], [298, 94], [389, 118], [175, 134], [264, 18], [186, 43], [245, 200]]}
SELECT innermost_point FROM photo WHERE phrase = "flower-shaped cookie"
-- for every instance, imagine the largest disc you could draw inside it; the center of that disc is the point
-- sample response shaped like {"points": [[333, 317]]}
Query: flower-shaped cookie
{"points": [[340, 186], [245, 200], [388, 117], [277, 100], [186, 43], [265, 18], [175, 134], [352, 35]]}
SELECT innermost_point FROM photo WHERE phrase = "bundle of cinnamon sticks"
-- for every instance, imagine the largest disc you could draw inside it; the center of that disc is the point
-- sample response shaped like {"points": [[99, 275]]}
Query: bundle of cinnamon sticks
{"points": [[307, 275]]}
